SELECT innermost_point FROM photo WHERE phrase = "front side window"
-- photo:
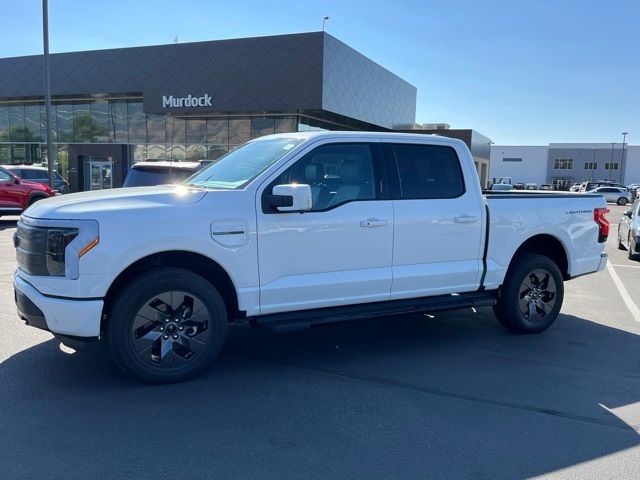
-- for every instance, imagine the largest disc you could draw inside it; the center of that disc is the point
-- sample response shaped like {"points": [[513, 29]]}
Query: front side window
{"points": [[428, 171], [239, 167], [337, 174], [4, 176]]}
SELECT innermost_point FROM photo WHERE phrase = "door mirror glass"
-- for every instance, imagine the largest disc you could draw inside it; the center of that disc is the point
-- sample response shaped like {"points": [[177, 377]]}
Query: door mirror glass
{"points": [[291, 198], [627, 213]]}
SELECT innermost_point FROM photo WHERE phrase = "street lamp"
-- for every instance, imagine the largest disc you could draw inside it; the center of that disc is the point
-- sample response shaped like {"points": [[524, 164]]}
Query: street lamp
{"points": [[324, 20], [611, 162], [47, 89], [624, 138]]}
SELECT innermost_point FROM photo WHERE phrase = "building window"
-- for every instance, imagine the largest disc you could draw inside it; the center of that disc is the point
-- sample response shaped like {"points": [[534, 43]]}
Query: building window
{"points": [[155, 129], [562, 183], [563, 164], [100, 122], [118, 119], [590, 165], [81, 122], [611, 166], [64, 122], [511, 159]]}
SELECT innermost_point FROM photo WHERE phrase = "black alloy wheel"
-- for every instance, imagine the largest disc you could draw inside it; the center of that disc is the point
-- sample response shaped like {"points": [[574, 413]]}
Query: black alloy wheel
{"points": [[531, 295], [166, 325]]}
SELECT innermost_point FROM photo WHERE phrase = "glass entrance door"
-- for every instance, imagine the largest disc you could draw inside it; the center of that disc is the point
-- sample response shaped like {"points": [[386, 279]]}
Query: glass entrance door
{"points": [[98, 173]]}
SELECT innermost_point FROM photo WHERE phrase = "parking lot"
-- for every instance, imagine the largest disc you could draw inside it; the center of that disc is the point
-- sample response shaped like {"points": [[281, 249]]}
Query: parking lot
{"points": [[449, 395]]}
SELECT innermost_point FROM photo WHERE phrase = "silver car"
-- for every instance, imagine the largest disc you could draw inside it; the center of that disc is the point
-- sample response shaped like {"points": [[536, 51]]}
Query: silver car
{"points": [[629, 231], [621, 196]]}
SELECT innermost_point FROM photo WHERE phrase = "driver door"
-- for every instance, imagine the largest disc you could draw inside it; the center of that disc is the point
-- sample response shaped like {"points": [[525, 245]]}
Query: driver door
{"points": [[339, 252]]}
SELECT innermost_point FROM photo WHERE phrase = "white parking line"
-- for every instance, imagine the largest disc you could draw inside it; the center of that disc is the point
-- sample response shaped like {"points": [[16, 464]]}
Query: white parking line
{"points": [[633, 308], [625, 266]]}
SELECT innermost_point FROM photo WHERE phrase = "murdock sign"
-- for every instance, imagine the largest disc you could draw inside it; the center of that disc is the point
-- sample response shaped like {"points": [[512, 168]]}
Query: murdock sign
{"points": [[188, 101]]}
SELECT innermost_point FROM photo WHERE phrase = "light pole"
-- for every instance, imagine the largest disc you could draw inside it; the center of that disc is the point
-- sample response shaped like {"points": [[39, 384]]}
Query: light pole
{"points": [[611, 162], [324, 20], [624, 138], [47, 89]]}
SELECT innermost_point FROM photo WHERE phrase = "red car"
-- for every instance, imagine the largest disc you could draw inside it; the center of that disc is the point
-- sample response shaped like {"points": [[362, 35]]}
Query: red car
{"points": [[17, 194]]}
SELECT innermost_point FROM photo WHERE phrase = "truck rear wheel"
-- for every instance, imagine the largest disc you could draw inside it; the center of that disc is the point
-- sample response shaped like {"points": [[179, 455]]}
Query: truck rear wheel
{"points": [[531, 296], [166, 325]]}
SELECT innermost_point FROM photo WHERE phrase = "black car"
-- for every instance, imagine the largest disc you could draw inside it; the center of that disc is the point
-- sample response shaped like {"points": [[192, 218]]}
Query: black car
{"points": [[144, 174], [32, 173]]}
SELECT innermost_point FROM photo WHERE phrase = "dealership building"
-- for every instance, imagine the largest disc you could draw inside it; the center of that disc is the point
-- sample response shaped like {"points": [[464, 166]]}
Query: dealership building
{"points": [[191, 101], [563, 164]]}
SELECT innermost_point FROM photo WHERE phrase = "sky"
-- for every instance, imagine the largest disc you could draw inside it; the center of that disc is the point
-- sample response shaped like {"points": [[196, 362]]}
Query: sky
{"points": [[527, 72]]}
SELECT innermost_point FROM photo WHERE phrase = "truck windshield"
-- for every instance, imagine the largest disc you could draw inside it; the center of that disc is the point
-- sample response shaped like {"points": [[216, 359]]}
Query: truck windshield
{"points": [[240, 166]]}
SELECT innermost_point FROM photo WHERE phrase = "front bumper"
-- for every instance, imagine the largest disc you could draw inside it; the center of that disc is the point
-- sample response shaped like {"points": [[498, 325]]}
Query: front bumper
{"points": [[63, 316]]}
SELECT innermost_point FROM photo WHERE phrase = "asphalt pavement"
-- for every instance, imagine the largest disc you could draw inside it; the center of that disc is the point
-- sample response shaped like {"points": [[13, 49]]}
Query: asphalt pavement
{"points": [[432, 397]]}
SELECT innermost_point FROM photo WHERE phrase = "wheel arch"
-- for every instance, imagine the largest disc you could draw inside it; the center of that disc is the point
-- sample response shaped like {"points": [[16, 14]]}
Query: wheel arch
{"points": [[547, 245], [192, 261]]}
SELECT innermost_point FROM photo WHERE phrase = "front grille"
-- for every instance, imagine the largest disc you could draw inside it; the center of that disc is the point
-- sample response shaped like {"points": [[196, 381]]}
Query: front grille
{"points": [[31, 249]]}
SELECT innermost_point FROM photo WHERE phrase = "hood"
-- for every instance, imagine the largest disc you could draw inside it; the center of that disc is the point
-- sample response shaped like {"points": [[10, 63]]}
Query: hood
{"points": [[91, 204]]}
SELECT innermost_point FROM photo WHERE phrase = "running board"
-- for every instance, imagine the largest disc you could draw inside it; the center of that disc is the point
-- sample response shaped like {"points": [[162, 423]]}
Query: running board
{"points": [[287, 321]]}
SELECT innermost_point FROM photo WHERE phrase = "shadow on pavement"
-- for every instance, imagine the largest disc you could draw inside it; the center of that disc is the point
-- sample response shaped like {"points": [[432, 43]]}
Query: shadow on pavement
{"points": [[7, 223], [412, 397]]}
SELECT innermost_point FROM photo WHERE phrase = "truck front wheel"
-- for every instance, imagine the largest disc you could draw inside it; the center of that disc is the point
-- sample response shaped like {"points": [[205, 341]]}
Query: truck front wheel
{"points": [[531, 296], [166, 325]]}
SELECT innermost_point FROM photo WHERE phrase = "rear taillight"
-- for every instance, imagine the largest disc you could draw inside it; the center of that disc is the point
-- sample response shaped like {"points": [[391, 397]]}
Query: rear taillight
{"points": [[603, 223]]}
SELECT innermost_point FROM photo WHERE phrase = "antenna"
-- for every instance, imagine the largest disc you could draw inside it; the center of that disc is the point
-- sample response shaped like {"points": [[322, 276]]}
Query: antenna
{"points": [[176, 39]]}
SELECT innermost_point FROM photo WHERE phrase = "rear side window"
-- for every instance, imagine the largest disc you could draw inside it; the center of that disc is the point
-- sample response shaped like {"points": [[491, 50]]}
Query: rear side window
{"points": [[428, 171], [29, 174]]}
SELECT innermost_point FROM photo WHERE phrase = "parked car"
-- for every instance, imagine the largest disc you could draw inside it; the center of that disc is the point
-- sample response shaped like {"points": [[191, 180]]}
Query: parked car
{"points": [[33, 173], [588, 186], [545, 186], [292, 230], [518, 186], [531, 186], [629, 231], [501, 186], [144, 174], [621, 196], [16, 194], [575, 187]]}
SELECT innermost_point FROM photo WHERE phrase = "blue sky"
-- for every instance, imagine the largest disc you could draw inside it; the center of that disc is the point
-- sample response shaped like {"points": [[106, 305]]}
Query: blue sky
{"points": [[521, 72]]}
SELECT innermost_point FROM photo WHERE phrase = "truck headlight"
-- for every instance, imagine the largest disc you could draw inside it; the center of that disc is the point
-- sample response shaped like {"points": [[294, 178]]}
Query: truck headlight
{"points": [[57, 241], [54, 247]]}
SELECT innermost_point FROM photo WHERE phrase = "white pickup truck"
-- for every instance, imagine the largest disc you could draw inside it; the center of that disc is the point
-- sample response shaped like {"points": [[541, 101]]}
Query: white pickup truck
{"points": [[293, 230]]}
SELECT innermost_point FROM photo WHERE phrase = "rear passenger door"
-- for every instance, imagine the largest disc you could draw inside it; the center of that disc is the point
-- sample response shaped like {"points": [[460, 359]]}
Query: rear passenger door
{"points": [[438, 230]]}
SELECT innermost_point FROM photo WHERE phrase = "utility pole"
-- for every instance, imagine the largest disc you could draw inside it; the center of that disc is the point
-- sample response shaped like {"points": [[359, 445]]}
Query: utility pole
{"points": [[624, 138], [47, 89], [611, 162]]}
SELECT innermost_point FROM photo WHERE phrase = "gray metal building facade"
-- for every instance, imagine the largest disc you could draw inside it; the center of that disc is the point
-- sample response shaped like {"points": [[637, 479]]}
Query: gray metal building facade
{"points": [[190, 101], [568, 164]]}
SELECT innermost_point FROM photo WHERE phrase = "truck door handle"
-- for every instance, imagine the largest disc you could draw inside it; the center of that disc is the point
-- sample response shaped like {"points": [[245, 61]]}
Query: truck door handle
{"points": [[466, 219], [373, 222]]}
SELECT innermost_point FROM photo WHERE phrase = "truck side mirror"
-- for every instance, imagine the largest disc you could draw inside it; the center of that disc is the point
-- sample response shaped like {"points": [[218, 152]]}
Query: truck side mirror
{"points": [[291, 198]]}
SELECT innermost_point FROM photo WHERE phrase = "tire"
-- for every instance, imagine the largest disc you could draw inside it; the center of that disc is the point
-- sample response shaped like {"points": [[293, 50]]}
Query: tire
{"points": [[530, 274], [632, 248], [622, 201], [620, 244], [34, 200], [184, 326]]}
